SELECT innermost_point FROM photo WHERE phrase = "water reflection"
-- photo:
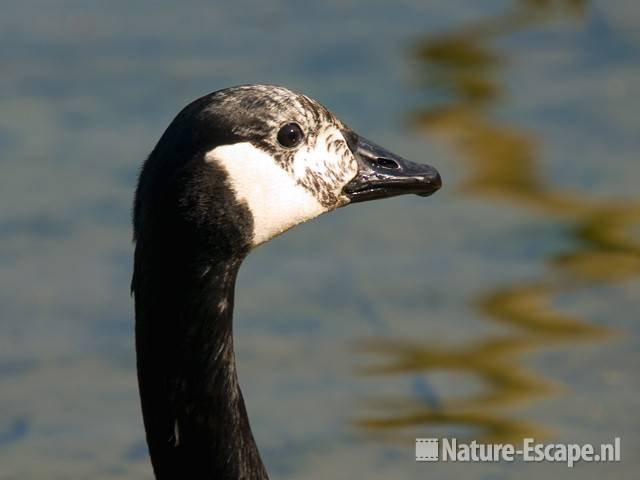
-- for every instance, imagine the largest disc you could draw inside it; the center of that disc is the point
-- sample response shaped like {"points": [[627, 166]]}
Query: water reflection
{"points": [[465, 67]]}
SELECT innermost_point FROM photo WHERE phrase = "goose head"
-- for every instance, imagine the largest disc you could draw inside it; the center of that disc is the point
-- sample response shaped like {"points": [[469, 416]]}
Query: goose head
{"points": [[247, 163], [234, 169]]}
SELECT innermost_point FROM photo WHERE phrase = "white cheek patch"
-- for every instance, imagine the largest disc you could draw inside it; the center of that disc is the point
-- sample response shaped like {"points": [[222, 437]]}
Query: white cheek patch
{"points": [[276, 201]]}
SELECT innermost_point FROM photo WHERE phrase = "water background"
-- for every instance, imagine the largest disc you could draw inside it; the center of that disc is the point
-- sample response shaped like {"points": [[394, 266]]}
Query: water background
{"points": [[504, 306]]}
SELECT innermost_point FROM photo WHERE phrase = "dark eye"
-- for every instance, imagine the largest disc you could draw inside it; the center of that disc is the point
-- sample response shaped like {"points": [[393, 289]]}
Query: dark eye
{"points": [[290, 135]]}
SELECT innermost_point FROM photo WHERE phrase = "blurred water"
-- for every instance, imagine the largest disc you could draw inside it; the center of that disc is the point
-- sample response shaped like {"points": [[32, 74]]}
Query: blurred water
{"points": [[504, 306]]}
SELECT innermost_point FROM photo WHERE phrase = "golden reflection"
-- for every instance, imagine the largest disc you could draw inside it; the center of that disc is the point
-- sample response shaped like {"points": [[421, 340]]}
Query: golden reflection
{"points": [[502, 161], [528, 306], [492, 361], [492, 428]]}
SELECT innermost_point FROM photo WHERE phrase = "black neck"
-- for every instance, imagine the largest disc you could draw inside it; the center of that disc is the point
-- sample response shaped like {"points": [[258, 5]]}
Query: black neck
{"points": [[194, 414]]}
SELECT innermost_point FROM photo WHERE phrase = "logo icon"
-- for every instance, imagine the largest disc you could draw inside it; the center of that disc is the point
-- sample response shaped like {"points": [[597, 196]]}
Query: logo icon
{"points": [[426, 449]]}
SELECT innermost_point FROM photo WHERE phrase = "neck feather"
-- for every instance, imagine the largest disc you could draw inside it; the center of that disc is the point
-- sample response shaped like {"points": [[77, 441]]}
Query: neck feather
{"points": [[194, 413]]}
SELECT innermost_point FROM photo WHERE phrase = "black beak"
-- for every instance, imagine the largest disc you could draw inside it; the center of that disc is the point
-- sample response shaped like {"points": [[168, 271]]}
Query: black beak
{"points": [[382, 174]]}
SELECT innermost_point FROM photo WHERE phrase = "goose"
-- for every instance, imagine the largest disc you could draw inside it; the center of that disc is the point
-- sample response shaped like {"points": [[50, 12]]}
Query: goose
{"points": [[234, 169]]}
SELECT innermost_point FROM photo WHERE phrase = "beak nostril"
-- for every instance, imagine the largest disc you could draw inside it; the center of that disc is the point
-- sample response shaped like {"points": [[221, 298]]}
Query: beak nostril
{"points": [[387, 163]]}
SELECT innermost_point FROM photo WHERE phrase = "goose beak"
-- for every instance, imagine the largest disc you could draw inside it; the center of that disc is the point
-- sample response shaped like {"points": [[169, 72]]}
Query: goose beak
{"points": [[382, 174]]}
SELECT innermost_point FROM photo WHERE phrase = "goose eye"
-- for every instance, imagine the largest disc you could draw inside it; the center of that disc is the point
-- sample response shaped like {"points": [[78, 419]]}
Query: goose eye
{"points": [[290, 135]]}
